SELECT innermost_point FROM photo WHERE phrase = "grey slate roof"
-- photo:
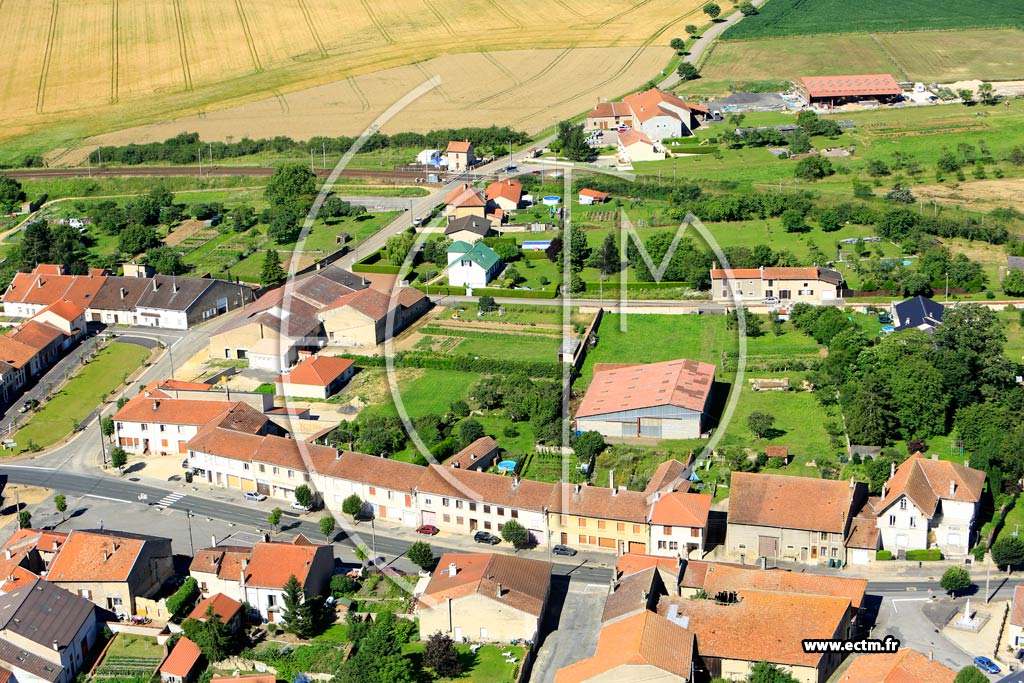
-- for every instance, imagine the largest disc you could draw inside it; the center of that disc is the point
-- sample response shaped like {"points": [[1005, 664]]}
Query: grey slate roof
{"points": [[917, 311], [13, 656], [473, 224], [44, 613], [173, 293]]}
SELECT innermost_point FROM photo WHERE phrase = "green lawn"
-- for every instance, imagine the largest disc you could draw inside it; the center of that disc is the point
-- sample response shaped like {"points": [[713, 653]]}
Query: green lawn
{"points": [[80, 396], [793, 17], [664, 337], [799, 424], [528, 347], [1014, 517], [430, 394], [486, 665]]}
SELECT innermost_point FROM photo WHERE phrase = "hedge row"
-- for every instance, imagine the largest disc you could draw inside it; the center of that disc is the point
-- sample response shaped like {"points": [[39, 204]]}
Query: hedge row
{"points": [[532, 255], [440, 289], [929, 555], [371, 264], [488, 334], [692, 149], [517, 293], [436, 361], [634, 286]]}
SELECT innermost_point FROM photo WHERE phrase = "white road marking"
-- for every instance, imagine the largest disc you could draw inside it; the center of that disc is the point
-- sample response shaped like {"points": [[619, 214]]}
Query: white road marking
{"points": [[168, 500], [114, 500], [29, 467], [895, 600]]}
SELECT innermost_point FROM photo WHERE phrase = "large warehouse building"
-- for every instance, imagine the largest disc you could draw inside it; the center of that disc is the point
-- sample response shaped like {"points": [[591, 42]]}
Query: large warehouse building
{"points": [[666, 400], [830, 91]]}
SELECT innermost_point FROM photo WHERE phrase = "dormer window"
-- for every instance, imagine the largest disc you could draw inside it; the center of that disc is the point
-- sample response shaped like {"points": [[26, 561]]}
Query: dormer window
{"points": [[903, 503]]}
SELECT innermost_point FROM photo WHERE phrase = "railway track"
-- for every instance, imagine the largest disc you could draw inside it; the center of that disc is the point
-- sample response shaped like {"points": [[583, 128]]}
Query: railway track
{"points": [[254, 171]]}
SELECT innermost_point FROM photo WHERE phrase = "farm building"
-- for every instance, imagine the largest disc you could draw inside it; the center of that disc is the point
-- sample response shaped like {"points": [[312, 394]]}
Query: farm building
{"points": [[460, 155], [662, 115], [471, 265], [667, 400], [588, 197], [609, 115], [369, 317], [830, 91]]}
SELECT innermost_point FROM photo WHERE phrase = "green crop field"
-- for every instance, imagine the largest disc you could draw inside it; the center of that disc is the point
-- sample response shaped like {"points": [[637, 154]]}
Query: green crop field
{"points": [[930, 56], [430, 394], [807, 17]]}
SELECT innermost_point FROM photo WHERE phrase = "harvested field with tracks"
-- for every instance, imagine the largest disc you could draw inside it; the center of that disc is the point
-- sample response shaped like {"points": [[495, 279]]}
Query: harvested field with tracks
{"points": [[85, 67]]}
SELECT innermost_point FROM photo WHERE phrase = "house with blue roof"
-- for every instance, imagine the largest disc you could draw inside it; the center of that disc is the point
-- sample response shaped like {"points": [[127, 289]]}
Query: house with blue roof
{"points": [[471, 265]]}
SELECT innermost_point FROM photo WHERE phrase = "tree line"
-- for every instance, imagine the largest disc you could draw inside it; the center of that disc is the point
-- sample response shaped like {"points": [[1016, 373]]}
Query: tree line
{"points": [[185, 148]]}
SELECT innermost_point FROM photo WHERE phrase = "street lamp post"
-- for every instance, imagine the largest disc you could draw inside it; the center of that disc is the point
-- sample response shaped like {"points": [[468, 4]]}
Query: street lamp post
{"points": [[191, 547], [103, 445]]}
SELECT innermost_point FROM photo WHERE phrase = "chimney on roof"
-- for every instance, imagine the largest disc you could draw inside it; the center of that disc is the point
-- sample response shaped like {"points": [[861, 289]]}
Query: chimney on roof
{"points": [[500, 592], [213, 540], [56, 646], [952, 487], [56, 544], [266, 537], [156, 405], [7, 554], [106, 555], [155, 285], [853, 483], [762, 272], [611, 480], [174, 287], [453, 569], [515, 481], [577, 488], [892, 470], [124, 292]]}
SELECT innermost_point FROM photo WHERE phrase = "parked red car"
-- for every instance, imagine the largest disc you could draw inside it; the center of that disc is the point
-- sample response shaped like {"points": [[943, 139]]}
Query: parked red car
{"points": [[428, 529]]}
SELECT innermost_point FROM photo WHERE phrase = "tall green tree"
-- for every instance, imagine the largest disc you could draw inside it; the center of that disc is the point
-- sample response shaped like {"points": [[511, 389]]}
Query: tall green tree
{"points": [[970, 674], [398, 247], [687, 71], [166, 261], [67, 247], [712, 10], [61, 503], [274, 518], [137, 238], [441, 656], [870, 420], [290, 184], [352, 505], [760, 423], [1008, 552], [327, 526], [954, 580], [421, 554], [118, 457], [304, 495], [35, 243], [11, 194], [573, 141], [763, 672], [515, 533], [298, 614], [579, 249], [213, 637], [272, 273]]}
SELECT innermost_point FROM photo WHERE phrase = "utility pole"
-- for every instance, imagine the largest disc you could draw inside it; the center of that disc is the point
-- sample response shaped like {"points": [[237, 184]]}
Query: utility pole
{"points": [[170, 351], [211, 158], [947, 286], [191, 546], [200, 162], [103, 445], [312, 164], [373, 534], [988, 571], [324, 145], [99, 156]]}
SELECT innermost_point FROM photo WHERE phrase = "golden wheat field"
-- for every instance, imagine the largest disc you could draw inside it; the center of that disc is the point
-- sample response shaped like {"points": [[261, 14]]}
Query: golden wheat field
{"points": [[85, 67]]}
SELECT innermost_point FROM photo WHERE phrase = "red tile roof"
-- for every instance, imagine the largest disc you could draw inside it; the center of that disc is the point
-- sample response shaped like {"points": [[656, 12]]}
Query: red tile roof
{"points": [[605, 109], [631, 563], [95, 556], [776, 451], [465, 195], [682, 509], [681, 383], [224, 607], [628, 138], [790, 502], [318, 371], [37, 335], [650, 103], [524, 583], [65, 309], [370, 469], [782, 273], [1017, 606], [598, 502], [668, 477], [509, 189], [730, 577], [271, 564], [372, 303], [183, 658], [14, 352], [471, 454], [459, 146], [851, 86], [495, 489], [223, 561], [587, 192], [762, 626], [41, 289], [926, 482], [643, 639], [156, 407], [905, 666]]}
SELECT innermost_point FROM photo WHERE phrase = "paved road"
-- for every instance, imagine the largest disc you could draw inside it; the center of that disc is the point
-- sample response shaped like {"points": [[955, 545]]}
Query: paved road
{"points": [[702, 44]]}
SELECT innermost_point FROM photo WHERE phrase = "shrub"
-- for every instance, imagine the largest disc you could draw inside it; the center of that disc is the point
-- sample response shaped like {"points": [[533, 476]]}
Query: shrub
{"points": [[183, 597], [929, 555], [883, 555]]}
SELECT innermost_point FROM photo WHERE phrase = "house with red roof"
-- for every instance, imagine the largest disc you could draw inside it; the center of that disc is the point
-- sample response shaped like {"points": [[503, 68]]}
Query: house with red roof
{"points": [[928, 499], [904, 666], [316, 377], [465, 200], [667, 400], [386, 487], [369, 317], [810, 285], [485, 597], [608, 116], [587, 197], [635, 145], [184, 662], [460, 155], [162, 419], [225, 608], [679, 524], [660, 114], [504, 194]]}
